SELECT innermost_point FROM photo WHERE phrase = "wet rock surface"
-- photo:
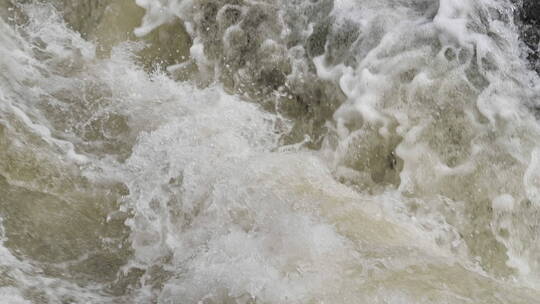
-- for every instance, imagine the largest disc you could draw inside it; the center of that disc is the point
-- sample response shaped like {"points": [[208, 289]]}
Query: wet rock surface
{"points": [[529, 21]]}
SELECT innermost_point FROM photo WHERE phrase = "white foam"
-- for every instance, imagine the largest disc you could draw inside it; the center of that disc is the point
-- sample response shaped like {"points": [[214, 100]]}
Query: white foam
{"points": [[391, 210]]}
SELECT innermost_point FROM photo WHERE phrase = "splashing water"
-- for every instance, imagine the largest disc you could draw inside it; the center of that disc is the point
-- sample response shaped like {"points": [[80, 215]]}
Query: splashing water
{"points": [[242, 151]]}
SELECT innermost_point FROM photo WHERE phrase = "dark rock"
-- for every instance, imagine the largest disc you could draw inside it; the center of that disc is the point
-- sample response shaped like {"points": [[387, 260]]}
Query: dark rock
{"points": [[528, 20], [530, 12]]}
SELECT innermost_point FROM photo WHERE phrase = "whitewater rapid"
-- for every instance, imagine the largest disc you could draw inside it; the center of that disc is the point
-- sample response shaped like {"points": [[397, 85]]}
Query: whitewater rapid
{"points": [[243, 151]]}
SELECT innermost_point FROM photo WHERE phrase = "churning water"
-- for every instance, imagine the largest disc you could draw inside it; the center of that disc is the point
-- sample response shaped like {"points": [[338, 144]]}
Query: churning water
{"points": [[268, 151]]}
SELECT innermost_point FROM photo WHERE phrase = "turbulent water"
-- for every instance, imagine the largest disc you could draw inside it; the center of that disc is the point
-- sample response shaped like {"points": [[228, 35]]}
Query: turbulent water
{"points": [[269, 151]]}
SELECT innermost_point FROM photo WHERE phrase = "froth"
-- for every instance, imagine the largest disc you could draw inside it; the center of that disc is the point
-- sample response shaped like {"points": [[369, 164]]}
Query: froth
{"points": [[327, 151]]}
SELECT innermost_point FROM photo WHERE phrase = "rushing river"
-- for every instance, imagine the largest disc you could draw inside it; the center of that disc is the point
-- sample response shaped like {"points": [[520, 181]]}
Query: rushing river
{"points": [[269, 151]]}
